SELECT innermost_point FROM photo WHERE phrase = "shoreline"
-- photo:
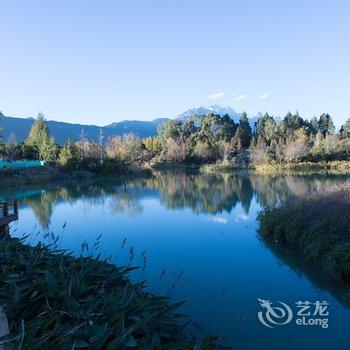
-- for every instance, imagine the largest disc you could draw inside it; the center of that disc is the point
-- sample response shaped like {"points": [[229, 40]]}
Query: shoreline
{"points": [[42, 175], [332, 167], [315, 228], [16, 177]]}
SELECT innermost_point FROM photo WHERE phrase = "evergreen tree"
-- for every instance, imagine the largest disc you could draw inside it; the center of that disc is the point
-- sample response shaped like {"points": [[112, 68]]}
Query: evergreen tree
{"points": [[48, 150], [68, 154], [265, 129], [40, 140], [39, 132], [326, 125], [345, 130], [314, 126], [243, 135], [292, 122], [170, 129]]}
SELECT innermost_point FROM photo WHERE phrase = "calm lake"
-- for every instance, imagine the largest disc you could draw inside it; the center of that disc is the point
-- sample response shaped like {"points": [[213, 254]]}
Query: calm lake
{"points": [[195, 238]]}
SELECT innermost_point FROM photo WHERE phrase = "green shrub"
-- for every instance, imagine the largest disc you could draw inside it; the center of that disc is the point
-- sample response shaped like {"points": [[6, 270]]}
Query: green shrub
{"points": [[316, 227]]}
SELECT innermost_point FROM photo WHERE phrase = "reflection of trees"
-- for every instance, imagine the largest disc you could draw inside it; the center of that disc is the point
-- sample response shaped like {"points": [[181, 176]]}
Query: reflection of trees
{"points": [[208, 193], [202, 193], [272, 189], [123, 198], [42, 204], [127, 200], [42, 207], [340, 291]]}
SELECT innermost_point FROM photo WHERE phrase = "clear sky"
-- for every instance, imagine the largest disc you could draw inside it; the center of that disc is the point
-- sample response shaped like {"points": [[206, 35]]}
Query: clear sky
{"points": [[97, 62]]}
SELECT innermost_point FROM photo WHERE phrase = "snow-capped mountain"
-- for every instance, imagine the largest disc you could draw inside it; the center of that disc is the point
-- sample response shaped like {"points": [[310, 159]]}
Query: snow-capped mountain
{"points": [[217, 109], [63, 131]]}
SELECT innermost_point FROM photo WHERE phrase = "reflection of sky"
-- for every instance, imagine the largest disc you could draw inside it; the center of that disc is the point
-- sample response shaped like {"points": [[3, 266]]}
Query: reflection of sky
{"points": [[212, 251], [218, 219]]}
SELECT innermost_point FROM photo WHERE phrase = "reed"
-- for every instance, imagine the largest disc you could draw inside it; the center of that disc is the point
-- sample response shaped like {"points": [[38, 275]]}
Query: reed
{"points": [[53, 299]]}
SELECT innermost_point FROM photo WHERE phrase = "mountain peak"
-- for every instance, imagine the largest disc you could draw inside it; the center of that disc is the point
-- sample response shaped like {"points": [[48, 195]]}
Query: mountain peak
{"points": [[216, 109]]}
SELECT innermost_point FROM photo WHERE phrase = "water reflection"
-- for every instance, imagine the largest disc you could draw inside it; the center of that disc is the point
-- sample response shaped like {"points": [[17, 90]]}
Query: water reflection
{"points": [[285, 256], [8, 213], [202, 193], [216, 243]]}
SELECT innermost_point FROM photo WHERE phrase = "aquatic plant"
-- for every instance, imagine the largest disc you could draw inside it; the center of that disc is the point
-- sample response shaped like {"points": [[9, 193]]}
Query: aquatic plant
{"points": [[53, 299]]}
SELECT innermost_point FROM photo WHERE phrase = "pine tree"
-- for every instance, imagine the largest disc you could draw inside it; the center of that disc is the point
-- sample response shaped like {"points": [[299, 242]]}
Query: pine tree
{"points": [[48, 150], [265, 128], [68, 154], [326, 125], [40, 140], [243, 136], [314, 126], [345, 130], [39, 132]]}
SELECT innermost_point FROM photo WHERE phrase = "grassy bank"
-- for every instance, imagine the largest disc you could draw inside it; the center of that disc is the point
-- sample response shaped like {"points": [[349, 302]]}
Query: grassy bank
{"points": [[15, 177], [55, 300], [49, 173], [316, 227], [333, 167], [222, 167], [11, 177]]}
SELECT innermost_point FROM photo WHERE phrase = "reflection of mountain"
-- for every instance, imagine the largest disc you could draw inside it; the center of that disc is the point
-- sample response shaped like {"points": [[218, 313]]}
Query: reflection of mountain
{"points": [[202, 193]]}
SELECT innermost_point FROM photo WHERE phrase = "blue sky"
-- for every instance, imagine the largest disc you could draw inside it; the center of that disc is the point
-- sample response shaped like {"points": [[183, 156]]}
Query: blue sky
{"points": [[104, 61]]}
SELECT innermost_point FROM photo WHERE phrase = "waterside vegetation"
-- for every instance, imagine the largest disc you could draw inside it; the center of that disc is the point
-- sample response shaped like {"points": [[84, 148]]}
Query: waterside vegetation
{"points": [[53, 299], [315, 227], [217, 142]]}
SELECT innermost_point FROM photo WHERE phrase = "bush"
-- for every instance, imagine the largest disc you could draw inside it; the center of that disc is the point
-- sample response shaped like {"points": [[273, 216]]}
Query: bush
{"points": [[317, 228]]}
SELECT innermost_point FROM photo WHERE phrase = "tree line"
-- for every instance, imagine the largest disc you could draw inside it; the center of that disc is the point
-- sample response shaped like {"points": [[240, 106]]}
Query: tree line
{"points": [[197, 140]]}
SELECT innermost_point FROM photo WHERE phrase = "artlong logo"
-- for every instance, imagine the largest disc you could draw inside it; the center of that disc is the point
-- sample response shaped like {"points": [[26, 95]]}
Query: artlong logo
{"points": [[282, 314], [274, 315]]}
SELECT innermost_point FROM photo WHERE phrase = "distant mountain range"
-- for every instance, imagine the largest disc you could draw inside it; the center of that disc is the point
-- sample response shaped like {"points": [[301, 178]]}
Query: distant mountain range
{"points": [[63, 131], [217, 109]]}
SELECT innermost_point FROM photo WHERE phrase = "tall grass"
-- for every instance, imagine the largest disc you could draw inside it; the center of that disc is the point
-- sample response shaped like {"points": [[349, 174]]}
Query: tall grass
{"points": [[317, 227], [332, 167], [55, 300]]}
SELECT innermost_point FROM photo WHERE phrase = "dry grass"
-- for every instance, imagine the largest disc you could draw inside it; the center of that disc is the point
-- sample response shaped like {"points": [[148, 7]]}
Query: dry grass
{"points": [[333, 167], [317, 227]]}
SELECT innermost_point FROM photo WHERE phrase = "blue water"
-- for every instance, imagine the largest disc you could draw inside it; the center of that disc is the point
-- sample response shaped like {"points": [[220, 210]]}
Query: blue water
{"points": [[202, 229]]}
